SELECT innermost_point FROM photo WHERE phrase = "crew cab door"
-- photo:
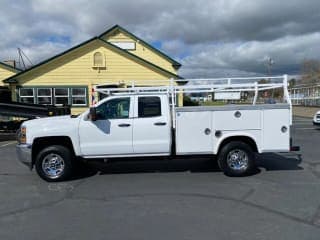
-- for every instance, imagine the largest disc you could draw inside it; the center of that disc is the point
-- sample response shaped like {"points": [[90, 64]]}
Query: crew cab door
{"points": [[111, 133], [151, 125]]}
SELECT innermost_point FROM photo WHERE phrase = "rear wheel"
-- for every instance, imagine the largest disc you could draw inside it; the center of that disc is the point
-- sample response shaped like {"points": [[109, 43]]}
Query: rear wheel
{"points": [[236, 159], [54, 163]]}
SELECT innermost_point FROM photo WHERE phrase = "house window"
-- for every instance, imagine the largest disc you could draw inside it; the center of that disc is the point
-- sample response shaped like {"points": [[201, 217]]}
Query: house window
{"points": [[44, 96], [98, 60], [61, 96], [26, 95], [125, 45], [76, 96], [79, 96]]}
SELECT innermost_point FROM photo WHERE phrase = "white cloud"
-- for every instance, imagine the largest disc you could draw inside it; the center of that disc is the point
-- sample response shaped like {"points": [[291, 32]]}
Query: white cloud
{"points": [[208, 37], [287, 53]]}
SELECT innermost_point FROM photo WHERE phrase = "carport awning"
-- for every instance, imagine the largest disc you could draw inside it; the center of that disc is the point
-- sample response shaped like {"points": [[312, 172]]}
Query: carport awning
{"points": [[13, 80]]}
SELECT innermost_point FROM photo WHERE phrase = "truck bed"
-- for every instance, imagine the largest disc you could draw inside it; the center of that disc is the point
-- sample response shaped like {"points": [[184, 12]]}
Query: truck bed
{"points": [[202, 129]]}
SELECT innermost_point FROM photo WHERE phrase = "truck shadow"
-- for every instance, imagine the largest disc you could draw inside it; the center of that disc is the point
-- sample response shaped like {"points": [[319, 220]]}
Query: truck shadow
{"points": [[125, 166], [269, 162], [276, 162]]}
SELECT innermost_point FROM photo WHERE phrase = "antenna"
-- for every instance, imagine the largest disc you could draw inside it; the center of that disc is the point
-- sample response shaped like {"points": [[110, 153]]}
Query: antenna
{"points": [[21, 61]]}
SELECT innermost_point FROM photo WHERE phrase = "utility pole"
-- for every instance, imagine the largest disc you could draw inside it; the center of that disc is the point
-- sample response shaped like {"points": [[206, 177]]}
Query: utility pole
{"points": [[270, 62]]}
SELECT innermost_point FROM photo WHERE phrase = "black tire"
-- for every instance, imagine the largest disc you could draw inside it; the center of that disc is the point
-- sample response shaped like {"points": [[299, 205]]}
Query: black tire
{"points": [[236, 159], [56, 154]]}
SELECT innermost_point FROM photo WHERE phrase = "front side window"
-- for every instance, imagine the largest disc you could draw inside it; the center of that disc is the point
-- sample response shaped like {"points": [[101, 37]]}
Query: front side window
{"points": [[44, 96], [149, 107], [114, 109], [26, 95]]}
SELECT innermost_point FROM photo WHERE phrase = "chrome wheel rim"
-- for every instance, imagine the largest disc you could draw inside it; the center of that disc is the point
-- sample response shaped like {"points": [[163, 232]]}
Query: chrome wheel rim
{"points": [[237, 160], [53, 165]]}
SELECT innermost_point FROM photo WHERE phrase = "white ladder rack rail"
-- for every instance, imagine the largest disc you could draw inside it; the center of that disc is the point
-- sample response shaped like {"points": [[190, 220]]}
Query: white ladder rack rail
{"points": [[171, 87]]}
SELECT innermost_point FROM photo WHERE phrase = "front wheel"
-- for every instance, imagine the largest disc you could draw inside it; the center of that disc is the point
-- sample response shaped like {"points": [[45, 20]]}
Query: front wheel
{"points": [[236, 159], [54, 163]]}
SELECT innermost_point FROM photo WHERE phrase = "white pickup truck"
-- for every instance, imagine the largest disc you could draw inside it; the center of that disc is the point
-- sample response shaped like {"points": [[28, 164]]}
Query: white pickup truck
{"points": [[146, 124]]}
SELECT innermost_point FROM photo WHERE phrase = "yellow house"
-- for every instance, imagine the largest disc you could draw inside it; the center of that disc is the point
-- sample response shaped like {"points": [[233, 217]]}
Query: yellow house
{"points": [[6, 71], [114, 58]]}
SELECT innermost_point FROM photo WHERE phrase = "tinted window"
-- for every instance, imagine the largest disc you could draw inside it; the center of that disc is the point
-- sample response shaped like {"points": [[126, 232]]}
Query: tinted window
{"points": [[114, 109], [26, 92], [149, 107]]}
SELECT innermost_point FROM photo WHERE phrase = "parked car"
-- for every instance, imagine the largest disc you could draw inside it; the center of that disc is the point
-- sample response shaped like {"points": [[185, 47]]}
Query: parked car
{"points": [[316, 119]]}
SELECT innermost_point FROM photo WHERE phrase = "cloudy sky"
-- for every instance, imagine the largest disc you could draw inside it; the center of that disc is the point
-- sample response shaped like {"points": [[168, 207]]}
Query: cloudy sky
{"points": [[211, 38]]}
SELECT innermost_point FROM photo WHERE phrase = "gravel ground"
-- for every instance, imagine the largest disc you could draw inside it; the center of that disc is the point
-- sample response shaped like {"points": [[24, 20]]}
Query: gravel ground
{"points": [[305, 111]]}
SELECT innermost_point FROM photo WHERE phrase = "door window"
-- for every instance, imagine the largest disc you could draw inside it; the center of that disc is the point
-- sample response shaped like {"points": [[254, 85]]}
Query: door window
{"points": [[114, 109], [149, 107]]}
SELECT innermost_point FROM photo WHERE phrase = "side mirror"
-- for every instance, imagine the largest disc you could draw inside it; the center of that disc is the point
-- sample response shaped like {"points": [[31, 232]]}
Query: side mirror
{"points": [[93, 114]]}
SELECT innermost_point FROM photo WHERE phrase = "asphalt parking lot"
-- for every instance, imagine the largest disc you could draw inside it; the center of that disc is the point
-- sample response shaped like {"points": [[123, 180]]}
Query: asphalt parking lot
{"points": [[168, 199]]}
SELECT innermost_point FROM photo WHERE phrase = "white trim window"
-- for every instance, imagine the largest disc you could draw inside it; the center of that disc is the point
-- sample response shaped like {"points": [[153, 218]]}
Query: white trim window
{"points": [[125, 45], [98, 60], [79, 96], [26, 95], [61, 96], [44, 96]]}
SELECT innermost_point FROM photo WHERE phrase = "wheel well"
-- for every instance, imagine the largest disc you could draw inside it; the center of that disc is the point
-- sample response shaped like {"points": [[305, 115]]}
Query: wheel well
{"points": [[245, 139], [41, 143]]}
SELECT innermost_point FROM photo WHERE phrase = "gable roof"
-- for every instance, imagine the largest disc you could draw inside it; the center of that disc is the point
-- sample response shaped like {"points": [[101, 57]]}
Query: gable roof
{"points": [[117, 27], [7, 66], [126, 53], [140, 59], [12, 80]]}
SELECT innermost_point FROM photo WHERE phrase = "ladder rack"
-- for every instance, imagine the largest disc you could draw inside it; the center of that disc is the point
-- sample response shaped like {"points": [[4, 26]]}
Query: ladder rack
{"points": [[172, 87]]}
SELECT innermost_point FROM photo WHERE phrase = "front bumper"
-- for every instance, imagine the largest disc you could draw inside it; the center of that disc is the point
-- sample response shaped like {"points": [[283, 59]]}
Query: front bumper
{"points": [[24, 154], [316, 123]]}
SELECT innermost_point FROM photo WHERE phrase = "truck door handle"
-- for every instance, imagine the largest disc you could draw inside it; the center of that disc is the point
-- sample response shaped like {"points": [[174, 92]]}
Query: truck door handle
{"points": [[124, 125], [160, 123]]}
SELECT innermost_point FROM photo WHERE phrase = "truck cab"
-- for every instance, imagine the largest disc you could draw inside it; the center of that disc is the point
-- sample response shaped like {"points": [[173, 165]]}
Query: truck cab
{"points": [[117, 126], [126, 126]]}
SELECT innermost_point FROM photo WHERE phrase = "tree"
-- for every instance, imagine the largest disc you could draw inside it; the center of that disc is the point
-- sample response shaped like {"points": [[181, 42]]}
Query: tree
{"points": [[188, 102], [263, 81], [311, 72], [292, 82]]}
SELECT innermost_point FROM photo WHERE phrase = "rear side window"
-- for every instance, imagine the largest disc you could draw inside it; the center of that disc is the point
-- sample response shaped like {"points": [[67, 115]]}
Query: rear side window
{"points": [[149, 107]]}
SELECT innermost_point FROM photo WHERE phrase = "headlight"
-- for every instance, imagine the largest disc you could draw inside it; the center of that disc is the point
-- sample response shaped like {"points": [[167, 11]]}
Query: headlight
{"points": [[22, 135]]}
